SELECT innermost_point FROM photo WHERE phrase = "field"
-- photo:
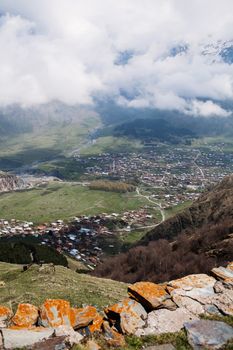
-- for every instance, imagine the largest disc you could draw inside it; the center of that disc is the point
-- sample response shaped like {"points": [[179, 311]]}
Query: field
{"points": [[63, 201], [37, 284]]}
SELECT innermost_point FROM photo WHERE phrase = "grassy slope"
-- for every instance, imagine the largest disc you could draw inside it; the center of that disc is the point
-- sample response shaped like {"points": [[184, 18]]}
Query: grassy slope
{"points": [[112, 144], [34, 286], [63, 201], [47, 142]]}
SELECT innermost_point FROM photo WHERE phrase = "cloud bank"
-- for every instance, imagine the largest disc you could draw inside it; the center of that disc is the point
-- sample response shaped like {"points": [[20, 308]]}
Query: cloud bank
{"points": [[141, 53]]}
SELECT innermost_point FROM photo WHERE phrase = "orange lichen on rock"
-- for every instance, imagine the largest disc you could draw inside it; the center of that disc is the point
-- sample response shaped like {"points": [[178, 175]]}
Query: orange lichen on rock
{"points": [[149, 294], [82, 317], [96, 324], [5, 312], [5, 315], [55, 312], [26, 315], [130, 313]]}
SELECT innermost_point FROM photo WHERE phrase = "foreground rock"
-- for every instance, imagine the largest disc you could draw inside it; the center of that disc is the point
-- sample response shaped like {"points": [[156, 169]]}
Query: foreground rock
{"points": [[5, 315], [166, 321], [225, 274], [18, 339], [83, 317], [149, 294], [26, 316], [205, 334], [55, 313], [72, 337], [127, 316]]}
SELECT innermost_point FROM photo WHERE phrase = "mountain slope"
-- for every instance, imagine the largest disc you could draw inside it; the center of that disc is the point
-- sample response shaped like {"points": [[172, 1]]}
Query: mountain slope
{"points": [[39, 283], [195, 240]]}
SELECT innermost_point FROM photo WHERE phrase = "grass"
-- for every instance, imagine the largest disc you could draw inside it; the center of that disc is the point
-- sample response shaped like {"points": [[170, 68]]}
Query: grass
{"points": [[35, 285], [178, 340], [177, 209], [63, 201], [112, 144]]}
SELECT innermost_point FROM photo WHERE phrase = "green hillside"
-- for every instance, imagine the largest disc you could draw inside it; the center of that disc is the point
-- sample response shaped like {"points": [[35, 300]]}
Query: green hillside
{"points": [[39, 283]]}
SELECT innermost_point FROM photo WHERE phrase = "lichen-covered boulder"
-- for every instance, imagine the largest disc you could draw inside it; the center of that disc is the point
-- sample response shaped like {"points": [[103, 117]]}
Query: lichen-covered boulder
{"points": [[26, 315], [127, 315], [82, 317], [206, 334], [96, 324], [55, 312], [5, 315], [149, 294]]}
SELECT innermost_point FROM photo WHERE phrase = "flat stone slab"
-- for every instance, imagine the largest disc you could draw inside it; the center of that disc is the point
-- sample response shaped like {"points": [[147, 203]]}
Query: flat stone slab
{"points": [[208, 334], [166, 321], [20, 338]]}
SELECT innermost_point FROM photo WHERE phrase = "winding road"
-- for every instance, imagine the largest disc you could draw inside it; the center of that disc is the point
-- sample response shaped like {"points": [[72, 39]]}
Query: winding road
{"points": [[158, 205]]}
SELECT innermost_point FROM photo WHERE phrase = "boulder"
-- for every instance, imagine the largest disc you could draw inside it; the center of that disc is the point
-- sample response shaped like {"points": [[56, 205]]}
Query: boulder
{"points": [[224, 273], [5, 315], [112, 337], [55, 312], [149, 294], [224, 302], [206, 334], [199, 285], [96, 324], [127, 315], [82, 317], [26, 315], [166, 321], [188, 303], [72, 337], [21, 338]]}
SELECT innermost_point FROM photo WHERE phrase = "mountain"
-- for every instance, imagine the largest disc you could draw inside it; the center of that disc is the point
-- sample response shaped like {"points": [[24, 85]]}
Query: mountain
{"points": [[9, 182], [154, 129], [195, 240]]}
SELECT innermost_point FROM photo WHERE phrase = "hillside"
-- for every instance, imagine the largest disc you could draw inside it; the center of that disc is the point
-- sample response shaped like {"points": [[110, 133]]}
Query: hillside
{"points": [[192, 241], [39, 283]]}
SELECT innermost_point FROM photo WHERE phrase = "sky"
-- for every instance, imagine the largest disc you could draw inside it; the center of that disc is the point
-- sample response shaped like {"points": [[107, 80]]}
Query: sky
{"points": [[138, 53]]}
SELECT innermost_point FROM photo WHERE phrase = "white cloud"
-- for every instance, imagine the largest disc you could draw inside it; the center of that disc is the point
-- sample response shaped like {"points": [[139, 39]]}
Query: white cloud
{"points": [[66, 50]]}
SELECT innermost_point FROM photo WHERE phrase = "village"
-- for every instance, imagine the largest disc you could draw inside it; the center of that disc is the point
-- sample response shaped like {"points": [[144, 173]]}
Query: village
{"points": [[83, 238], [171, 175]]}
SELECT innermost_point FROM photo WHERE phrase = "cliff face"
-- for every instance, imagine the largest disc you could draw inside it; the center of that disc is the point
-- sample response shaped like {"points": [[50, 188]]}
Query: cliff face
{"points": [[10, 182]]}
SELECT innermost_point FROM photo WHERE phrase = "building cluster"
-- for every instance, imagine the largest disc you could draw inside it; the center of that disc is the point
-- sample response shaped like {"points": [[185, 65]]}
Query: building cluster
{"points": [[172, 174]]}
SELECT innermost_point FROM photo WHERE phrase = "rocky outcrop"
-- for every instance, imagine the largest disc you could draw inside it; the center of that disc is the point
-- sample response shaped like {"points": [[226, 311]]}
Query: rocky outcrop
{"points": [[151, 309], [9, 182]]}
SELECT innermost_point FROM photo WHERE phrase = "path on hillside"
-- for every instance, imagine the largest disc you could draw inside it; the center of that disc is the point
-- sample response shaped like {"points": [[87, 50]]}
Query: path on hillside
{"points": [[197, 166], [157, 204]]}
